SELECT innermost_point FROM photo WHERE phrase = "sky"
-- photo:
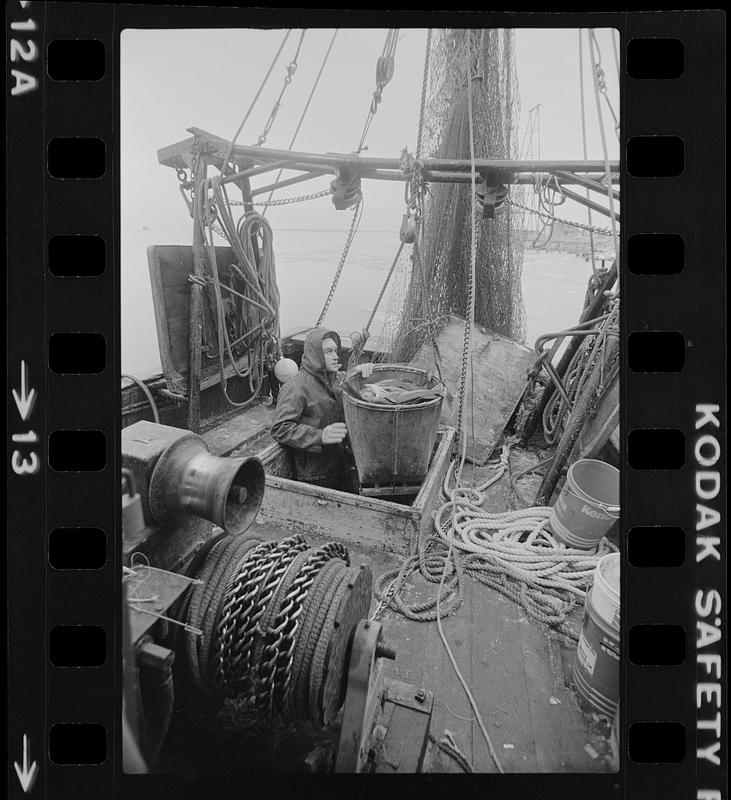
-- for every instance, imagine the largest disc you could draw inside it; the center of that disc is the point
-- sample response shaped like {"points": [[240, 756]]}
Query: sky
{"points": [[175, 79]]}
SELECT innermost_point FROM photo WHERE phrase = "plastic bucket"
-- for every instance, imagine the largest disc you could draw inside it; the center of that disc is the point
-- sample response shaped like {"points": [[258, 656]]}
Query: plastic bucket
{"points": [[596, 670], [392, 444], [587, 506], [605, 593]]}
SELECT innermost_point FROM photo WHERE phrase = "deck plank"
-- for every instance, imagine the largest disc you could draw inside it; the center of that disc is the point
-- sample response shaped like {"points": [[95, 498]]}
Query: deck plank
{"points": [[512, 664], [500, 688], [559, 740], [245, 433]]}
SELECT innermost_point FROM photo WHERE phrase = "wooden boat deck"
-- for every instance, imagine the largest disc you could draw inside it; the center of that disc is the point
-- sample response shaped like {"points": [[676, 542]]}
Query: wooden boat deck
{"points": [[518, 671]]}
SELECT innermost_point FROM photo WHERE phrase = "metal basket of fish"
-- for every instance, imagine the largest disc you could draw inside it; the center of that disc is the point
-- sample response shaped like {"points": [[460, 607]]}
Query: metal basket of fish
{"points": [[392, 418]]}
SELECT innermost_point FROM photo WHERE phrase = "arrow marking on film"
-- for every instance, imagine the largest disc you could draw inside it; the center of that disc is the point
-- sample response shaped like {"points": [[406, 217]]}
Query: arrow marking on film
{"points": [[27, 774], [25, 400]]}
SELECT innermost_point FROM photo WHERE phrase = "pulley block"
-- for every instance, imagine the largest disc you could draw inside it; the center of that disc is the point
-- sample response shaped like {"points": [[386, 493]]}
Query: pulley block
{"points": [[346, 193], [384, 69], [490, 198]]}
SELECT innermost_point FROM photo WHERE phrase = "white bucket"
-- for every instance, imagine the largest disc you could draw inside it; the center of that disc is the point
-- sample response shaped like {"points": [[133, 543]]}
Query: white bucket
{"points": [[605, 593]]}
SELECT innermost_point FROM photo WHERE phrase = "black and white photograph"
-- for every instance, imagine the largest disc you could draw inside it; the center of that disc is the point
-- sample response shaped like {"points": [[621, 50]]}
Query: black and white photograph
{"points": [[370, 399]]}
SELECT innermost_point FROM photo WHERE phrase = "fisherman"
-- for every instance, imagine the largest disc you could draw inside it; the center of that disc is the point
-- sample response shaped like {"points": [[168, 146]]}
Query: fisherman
{"points": [[309, 417]]}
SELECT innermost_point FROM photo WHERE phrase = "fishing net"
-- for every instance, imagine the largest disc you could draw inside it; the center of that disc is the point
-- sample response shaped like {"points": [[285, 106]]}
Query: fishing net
{"points": [[428, 288]]}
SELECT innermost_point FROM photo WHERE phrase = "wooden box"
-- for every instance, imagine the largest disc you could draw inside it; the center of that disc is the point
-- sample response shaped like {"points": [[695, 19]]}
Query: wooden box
{"points": [[170, 268], [353, 519]]}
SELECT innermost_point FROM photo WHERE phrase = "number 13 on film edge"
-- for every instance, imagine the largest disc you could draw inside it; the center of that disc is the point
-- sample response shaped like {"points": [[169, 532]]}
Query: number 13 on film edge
{"points": [[24, 459]]}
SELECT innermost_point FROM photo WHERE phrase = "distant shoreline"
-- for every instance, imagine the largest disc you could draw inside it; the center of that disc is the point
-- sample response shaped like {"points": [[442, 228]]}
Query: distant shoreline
{"points": [[147, 229]]}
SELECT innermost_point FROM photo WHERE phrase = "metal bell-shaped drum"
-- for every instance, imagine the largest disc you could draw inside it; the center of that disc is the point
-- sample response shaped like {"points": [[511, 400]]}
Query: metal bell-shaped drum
{"points": [[188, 479]]}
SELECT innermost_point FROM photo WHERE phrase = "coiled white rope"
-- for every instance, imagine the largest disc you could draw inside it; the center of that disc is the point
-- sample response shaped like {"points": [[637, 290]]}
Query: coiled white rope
{"points": [[516, 544]]}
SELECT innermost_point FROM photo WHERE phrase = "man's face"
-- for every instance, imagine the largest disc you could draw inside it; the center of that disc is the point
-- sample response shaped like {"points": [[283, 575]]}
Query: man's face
{"points": [[330, 350]]}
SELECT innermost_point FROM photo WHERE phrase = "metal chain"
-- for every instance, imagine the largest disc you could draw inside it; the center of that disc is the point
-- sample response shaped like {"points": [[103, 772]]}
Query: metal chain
{"points": [[554, 218], [280, 637], [357, 212], [286, 200], [238, 603], [281, 557], [286, 623], [406, 568], [234, 662], [466, 361], [273, 635]]}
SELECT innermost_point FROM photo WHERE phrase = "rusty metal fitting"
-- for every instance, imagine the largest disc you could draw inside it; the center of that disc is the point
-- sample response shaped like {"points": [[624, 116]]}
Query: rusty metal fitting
{"points": [[384, 651]]}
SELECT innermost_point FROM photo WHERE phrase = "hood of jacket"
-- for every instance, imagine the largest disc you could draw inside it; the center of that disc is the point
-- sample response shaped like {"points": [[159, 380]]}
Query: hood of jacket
{"points": [[313, 359]]}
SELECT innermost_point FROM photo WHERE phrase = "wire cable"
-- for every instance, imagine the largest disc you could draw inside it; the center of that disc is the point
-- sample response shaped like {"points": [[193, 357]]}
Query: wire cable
{"points": [[607, 171], [291, 69], [147, 393], [302, 117], [583, 141], [448, 558], [254, 101]]}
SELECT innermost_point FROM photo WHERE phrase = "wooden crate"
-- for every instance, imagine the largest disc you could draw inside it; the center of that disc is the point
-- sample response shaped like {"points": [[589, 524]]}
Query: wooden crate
{"points": [[354, 519], [170, 267]]}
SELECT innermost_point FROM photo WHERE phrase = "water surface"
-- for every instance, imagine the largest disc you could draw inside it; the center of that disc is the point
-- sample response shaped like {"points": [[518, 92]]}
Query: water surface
{"points": [[553, 286]]}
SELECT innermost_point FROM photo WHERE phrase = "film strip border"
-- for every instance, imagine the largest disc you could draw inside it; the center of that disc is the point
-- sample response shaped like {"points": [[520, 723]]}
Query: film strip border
{"points": [[673, 411], [64, 674], [63, 367]]}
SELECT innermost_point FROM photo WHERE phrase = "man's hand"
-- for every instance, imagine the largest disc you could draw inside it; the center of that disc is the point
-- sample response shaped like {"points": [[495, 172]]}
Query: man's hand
{"points": [[366, 370], [335, 433]]}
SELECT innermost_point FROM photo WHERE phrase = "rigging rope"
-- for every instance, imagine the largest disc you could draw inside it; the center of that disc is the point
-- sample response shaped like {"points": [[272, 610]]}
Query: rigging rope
{"points": [[384, 73], [254, 333], [224, 165], [466, 358], [605, 152], [424, 84], [615, 49], [511, 552], [269, 201], [601, 79], [291, 69], [583, 141]]}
